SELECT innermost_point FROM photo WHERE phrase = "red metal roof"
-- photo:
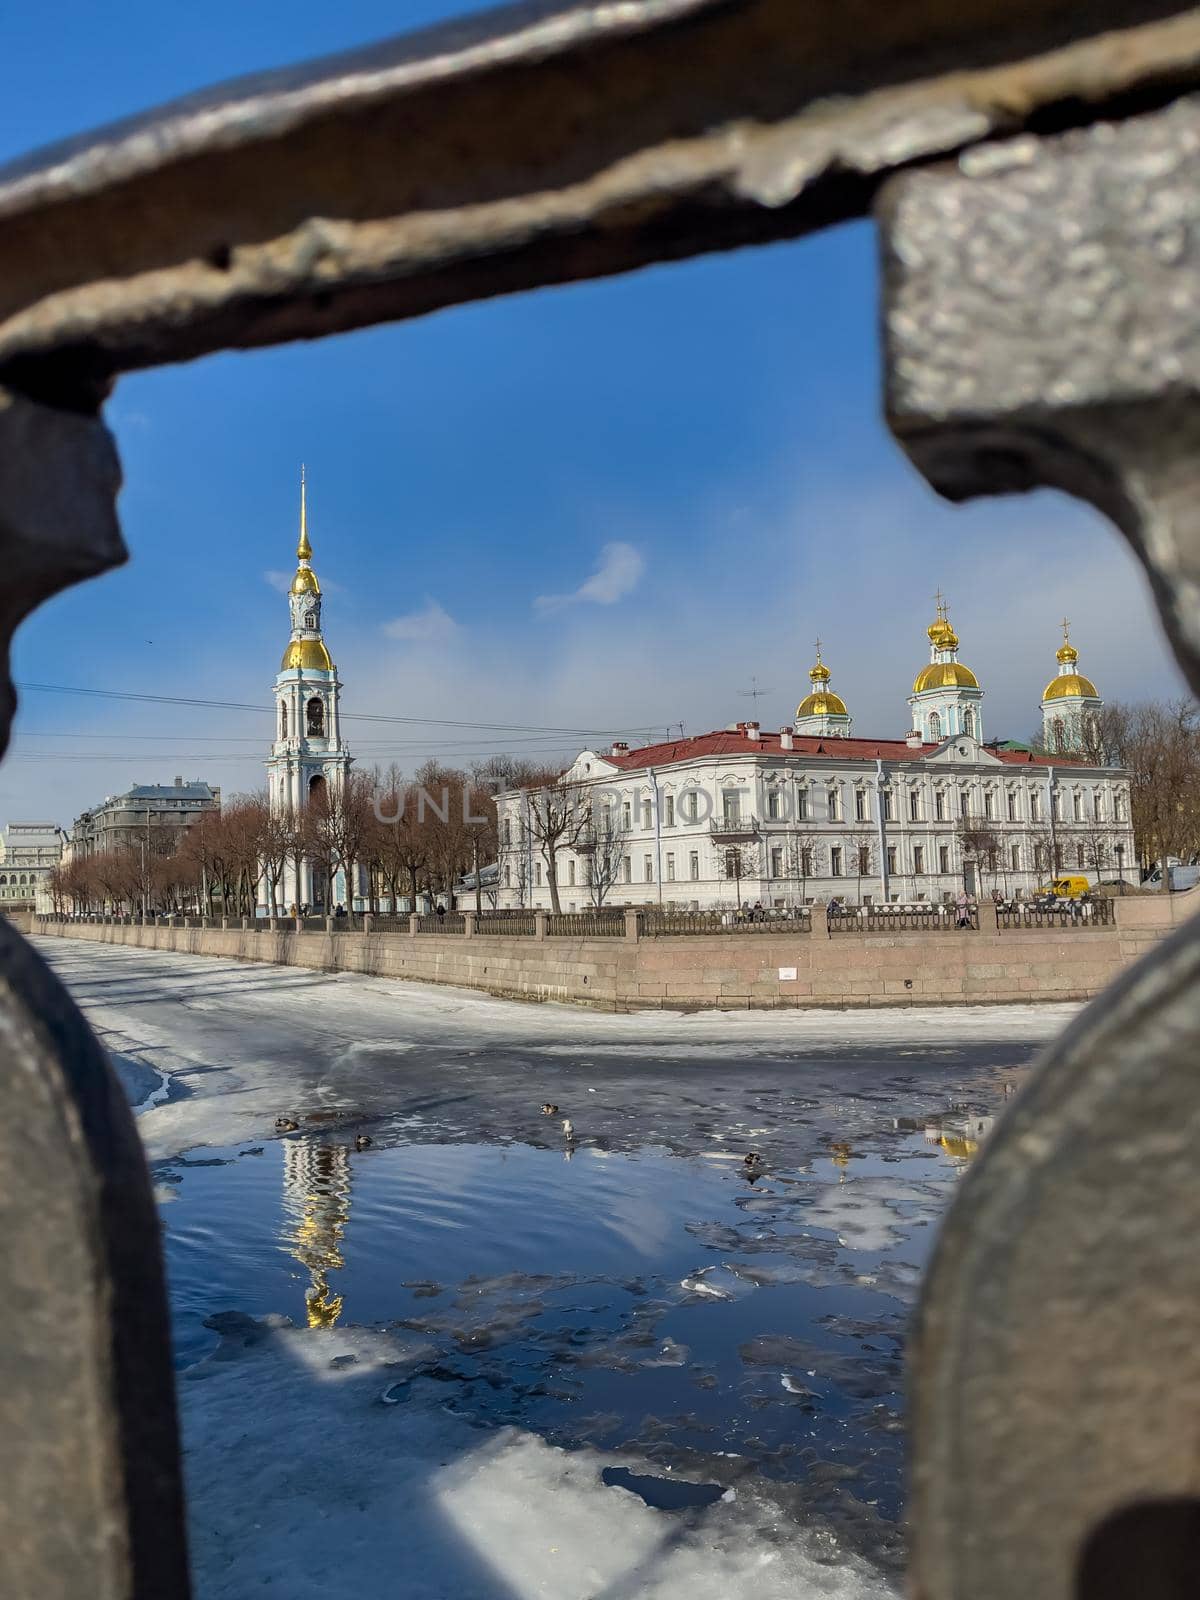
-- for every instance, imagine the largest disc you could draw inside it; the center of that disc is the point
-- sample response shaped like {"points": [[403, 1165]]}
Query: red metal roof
{"points": [[833, 748]]}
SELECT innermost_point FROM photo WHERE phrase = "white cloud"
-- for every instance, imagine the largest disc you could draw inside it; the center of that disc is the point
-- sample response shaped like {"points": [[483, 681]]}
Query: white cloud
{"points": [[621, 566], [431, 623], [282, 581]]}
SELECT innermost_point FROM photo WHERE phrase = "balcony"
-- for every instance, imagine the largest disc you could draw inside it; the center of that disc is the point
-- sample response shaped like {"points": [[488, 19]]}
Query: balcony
{"points": [[733, 829]]}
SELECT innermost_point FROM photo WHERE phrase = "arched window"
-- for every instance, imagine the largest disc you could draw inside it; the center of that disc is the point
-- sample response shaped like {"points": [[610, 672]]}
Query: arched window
{"points": [[935, 727], [283, 719], [316, 790], [1058, 734], [3, 877], [969, 722], [310, 619], [316, 715]]}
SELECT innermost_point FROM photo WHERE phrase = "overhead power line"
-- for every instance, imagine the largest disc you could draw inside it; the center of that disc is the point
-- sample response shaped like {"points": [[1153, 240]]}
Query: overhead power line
{"points": [[355, 716]]}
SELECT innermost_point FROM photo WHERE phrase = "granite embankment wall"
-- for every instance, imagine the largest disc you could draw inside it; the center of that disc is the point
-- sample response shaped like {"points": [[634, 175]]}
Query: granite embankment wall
{"points": [[733, 971]]}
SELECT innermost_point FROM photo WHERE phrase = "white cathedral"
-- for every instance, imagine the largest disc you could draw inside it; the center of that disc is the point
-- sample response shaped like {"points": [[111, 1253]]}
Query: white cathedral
{"points": [[744, 815], [309, 756]]}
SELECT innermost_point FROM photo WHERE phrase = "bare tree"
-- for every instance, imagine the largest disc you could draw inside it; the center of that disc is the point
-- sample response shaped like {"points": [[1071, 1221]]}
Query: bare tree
{"points": [[604, 843], [803, 857], [556, 817], [980, 843]]}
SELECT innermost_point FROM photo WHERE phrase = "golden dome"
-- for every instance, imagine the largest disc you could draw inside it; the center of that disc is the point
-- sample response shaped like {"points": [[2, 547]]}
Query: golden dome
{"points": [[310, 653], [820, 673], [944, 674], [825, 704], [1071, 683], [305, 581], [1066, 653], [941, 635]]}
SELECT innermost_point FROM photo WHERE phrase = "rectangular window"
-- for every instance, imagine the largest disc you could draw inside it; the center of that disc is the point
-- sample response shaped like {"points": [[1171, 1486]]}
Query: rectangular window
{"points": [[627, 869], [939, 806], [864, 860], [1079, 856], [670, 867], [918, 859], [914, 805], [1035, 806], [670, 808], [508, 830], [731, 864], [1012, 806], [537, 873], [891, 858], [691, 805], [773, 804], [776, 861], [1056, 806], [694, 865], [571, 872], [1077, 807], [1015, 858], [943, 858], [731, 807], [964, 803], [834, 811], [806, 862], [889, 806], [860, 805], [648, 869], [626, 815], [647, 818], [835, 861], [1097, 806], [801, 804], [989, 805]]}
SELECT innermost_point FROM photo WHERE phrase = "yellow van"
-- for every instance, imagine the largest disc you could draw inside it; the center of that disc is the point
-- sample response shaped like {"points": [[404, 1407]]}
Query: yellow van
{"points": [[1069, 888]]}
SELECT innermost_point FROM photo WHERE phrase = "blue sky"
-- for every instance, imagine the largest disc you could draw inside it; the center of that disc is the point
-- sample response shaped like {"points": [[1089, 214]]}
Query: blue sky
{"points": [[611, 505]]}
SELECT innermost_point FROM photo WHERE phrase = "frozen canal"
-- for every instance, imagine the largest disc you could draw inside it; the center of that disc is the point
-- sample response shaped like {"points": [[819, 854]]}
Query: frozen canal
{"points": [[430, 1344]]}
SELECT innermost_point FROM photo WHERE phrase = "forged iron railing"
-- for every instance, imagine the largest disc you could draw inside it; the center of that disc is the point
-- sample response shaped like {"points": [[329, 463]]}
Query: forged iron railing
{"points": [[933, 918], [512, 924], [669, 922], [1079, 915], [600, 924], [449, 922]]}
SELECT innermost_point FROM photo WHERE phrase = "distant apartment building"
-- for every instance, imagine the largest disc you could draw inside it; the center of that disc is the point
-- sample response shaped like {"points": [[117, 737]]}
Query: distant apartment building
{"points": [[144, 814], [29, 853]]}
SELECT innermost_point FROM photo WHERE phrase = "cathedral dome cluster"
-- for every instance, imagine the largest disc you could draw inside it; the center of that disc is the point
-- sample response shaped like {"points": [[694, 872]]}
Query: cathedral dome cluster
{"points": [[946, 699]]}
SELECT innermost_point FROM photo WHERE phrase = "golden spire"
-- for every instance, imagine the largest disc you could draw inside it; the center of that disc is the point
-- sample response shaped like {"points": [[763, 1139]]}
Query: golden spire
{"points": [[941, 635], [303, 549], [820, 672], [1066, 651]]}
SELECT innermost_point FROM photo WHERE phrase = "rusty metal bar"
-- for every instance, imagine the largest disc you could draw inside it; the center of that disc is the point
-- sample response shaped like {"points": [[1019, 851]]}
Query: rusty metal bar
{"points": [[533, 145]]}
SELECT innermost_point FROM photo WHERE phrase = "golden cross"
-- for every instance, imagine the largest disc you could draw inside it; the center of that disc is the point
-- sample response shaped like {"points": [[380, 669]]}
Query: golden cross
{"points": [[1066, 628], [818, 649], [940, 598]]}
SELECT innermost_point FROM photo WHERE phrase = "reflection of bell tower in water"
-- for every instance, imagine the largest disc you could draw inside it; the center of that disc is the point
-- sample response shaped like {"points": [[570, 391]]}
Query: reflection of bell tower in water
{"points": [[316, 1209], [308, 757]]}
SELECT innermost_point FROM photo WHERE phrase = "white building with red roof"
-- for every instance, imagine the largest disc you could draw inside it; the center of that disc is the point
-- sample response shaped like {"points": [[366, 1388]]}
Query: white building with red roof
{"points": [[744, 815]]}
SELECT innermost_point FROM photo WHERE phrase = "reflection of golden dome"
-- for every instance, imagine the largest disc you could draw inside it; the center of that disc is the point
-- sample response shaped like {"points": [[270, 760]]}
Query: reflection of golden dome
{"points": [[825, 704], [310, 653], [305, 581], [944, 674], [1070, 683], [957, 1148]]}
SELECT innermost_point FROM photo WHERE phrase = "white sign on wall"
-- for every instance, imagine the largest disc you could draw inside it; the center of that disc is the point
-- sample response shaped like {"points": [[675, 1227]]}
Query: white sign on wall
{"points": [[787, 974]]}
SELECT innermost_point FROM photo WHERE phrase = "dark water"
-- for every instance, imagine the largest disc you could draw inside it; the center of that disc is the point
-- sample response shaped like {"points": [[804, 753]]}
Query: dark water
{"points": [[636, 1287]]}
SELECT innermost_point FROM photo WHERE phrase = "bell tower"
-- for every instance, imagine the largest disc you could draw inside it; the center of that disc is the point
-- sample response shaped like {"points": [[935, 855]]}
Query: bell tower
{"points": [[309, 759]]}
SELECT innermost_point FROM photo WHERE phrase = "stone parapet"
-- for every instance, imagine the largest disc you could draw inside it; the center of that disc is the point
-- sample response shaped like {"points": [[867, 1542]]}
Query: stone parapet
{"points": [[697, 972]]}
